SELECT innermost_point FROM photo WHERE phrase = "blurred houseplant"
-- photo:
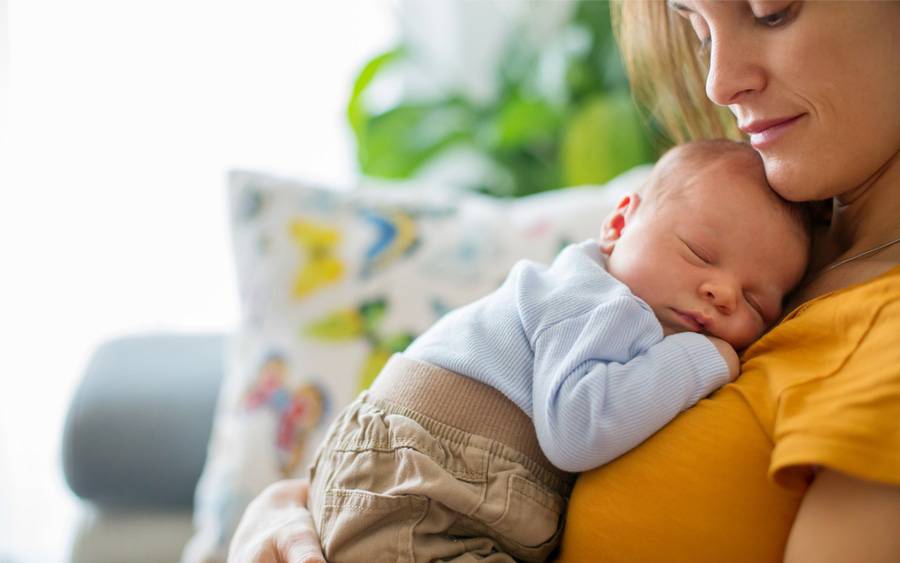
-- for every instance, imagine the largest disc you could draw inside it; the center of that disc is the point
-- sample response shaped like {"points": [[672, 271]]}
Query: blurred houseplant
{"points": [[525, 96]]}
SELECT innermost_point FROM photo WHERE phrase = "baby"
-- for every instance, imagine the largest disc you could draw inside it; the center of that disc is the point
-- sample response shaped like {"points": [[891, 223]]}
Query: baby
{"points": [[465, 444]]}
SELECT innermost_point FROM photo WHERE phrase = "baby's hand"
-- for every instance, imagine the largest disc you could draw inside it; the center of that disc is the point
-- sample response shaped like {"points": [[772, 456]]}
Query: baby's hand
{"points": [[731, 358]]}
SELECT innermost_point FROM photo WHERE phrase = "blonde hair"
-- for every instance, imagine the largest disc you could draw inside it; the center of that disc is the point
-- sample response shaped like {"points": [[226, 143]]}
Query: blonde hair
{"points": [[660, 52]]}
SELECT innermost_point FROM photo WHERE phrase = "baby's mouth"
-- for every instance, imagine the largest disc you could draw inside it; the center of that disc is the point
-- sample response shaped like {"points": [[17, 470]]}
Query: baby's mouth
{"points": [[690, 321]]}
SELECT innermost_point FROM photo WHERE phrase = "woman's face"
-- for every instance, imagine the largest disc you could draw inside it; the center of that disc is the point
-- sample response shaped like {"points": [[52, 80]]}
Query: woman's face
{"points": [[815, 85]]}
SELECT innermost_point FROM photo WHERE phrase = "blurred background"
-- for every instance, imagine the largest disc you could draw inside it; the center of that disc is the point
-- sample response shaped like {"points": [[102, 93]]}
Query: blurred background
{"points": [[120, 119]]}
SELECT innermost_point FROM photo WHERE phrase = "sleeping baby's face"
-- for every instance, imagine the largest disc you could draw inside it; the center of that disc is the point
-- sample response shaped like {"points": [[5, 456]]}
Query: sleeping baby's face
{"points": [[713, 253]]}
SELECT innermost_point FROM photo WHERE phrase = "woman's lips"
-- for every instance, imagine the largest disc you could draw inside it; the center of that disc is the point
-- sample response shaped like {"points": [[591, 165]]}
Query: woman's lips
{"points": [[764, 133]]}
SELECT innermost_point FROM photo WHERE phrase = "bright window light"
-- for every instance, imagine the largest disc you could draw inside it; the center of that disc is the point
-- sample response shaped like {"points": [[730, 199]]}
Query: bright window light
{"points": [[122, 119]]}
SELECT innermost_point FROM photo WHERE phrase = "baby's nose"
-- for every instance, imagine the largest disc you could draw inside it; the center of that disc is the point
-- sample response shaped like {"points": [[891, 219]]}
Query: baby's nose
{"points": [[722, 294]]}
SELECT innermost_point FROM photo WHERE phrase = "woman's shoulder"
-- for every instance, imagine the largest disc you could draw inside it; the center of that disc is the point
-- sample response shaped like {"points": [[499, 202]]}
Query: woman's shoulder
{"points": [[827, 382], [797, 405], [826, 335]]}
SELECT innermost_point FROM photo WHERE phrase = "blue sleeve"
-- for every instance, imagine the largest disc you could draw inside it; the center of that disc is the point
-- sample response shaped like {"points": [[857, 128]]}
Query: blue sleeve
{"points": [[605, 378]]}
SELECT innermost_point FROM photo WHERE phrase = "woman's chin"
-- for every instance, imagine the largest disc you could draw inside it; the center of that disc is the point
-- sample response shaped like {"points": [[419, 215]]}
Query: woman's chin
{"points": [[793, 183]]}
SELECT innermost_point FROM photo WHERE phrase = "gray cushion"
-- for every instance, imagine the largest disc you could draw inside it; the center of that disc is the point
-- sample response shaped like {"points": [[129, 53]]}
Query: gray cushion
{"points": [[137, 429]]}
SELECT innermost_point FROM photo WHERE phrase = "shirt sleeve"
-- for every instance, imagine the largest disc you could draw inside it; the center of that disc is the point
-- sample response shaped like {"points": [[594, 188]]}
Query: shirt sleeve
{"points": [[605, 379], [848, 419]]}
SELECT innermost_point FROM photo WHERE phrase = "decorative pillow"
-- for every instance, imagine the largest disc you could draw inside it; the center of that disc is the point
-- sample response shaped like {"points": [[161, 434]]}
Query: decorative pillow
{"points": [[331, 284]]}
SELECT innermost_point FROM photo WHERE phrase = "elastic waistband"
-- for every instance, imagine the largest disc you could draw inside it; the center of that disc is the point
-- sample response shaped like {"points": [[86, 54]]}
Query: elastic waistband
{"points": [[476, 408]]}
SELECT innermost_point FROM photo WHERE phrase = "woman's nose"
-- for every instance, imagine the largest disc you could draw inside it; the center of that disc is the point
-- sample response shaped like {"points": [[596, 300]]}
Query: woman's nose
{"points": [[721, 293], [734, 70]]}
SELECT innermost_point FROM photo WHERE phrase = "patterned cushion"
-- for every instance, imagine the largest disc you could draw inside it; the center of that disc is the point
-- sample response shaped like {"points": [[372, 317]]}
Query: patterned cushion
{"points": [[331, 284]]}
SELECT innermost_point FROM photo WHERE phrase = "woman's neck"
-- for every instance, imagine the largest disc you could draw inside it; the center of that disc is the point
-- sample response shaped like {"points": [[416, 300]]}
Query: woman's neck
{"points": [[868, 215], [862, 219]]}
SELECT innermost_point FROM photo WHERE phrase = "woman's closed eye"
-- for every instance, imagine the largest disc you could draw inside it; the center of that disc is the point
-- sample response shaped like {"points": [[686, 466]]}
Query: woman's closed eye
{"points": [[776, 18], [773, 19]]}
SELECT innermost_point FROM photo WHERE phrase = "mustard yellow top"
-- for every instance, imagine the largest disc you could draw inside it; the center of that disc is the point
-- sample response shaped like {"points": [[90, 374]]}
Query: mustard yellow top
{"points": [[724, 480]]}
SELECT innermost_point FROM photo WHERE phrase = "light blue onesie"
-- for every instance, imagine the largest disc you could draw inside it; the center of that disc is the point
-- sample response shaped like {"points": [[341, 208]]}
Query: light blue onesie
{"points": [[579, 353]]}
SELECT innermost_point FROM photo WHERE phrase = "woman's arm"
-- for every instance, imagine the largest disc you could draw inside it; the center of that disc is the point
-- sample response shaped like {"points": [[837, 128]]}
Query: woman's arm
{"points": [[277, 528], [845, 519]]}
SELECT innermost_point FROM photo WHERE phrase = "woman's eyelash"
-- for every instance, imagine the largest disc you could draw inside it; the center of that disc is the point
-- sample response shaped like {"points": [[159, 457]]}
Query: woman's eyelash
{"points": [[775, 18]]}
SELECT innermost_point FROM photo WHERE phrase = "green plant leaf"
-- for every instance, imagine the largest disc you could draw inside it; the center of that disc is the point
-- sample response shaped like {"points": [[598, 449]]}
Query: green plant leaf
{"points": [[603, 139], [583, 130], [523, 121], [533, 169], [399, 141], [356, 113]]}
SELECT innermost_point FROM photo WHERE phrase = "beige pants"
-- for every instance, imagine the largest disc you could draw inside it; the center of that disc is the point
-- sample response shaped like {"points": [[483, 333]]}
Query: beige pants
{"points": [[402, 477]]}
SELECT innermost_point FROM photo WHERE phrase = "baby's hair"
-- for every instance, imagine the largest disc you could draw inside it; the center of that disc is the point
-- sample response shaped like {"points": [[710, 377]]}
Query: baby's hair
{"points": [[667, 178]]}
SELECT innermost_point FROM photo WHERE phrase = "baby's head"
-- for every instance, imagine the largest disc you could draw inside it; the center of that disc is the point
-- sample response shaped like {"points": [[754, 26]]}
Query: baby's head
{"points": [[708, 244]]}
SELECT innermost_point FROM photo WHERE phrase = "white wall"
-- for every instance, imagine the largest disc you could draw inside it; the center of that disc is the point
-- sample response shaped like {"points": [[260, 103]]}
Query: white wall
{"points": [[123, 118], [5, 477]]}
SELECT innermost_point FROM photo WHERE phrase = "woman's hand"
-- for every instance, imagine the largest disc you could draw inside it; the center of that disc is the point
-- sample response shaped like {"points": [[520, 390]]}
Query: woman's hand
{"points": [[277, 528]]}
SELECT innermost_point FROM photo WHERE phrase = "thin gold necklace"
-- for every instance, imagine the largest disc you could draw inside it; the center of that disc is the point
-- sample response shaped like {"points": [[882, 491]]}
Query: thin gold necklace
{"points": [[872, 250]]}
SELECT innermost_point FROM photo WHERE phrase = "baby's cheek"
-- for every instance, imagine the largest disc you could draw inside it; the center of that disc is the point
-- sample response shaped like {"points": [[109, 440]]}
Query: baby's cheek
{"points": [[751, 330]]}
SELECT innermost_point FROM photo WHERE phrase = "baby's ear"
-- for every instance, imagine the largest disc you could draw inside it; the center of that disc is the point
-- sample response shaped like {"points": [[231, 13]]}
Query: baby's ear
{"points": [[617, 220]]}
